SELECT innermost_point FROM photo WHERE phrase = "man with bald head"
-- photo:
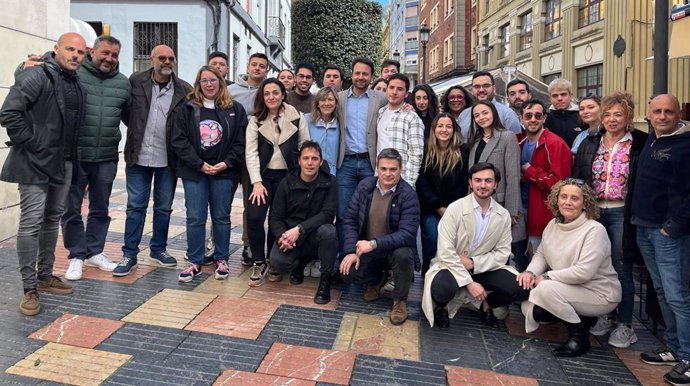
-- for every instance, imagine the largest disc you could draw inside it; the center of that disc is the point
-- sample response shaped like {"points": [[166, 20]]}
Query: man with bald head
{"points": [[43, 113], [156, 95], [661, 211]]}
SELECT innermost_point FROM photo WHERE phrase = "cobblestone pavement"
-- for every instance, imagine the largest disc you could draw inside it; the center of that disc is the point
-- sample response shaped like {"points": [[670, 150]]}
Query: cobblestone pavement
{"points": [[148, 329]]}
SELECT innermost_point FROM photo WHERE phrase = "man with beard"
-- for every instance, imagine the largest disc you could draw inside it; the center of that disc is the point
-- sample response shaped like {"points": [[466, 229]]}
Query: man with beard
{"points": [[156, 95], [301, 98], [517, 92], [483, 88]]}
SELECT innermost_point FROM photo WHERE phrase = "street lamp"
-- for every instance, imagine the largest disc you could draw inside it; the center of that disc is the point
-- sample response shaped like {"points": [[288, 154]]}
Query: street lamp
{"points": [[396, 55], [424, 39]]}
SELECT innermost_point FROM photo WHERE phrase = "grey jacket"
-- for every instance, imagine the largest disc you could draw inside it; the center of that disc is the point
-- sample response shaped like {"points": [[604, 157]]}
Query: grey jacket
{"points": [[377, 100], [242, 92]]}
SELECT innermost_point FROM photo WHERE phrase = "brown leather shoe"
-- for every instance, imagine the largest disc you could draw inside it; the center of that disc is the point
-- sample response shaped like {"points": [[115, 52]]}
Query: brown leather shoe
{"points": [[54, 285], [373, 291], [399, 312], [30, 305]]}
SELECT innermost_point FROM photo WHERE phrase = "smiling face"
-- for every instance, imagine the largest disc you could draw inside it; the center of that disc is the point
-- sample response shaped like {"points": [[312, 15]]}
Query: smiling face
{"points": [[389, 172], [456, 101], [309, 162], [396, 92], [590, 112], [570, 202], [533, 119], [361, 76], [209, 84], [483, 88], [483, 115], [163, 60], [664, 114], [483, 184], [444, 131], [614, 120], [105, 56], [273, 97], [287, 79], [327, 105], [304, 79], [421, 100]]}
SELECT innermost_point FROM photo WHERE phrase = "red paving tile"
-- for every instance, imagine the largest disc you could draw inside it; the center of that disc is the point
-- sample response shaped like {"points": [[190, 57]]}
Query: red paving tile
{"points": [[308, 363], [286, 293], [648, 375], [231, 316], [78, 330], [461, 376], [243, 378], [554, 332]]}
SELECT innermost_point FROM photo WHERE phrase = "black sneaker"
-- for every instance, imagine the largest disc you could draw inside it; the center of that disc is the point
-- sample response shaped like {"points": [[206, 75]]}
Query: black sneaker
{"points": [[125, 266], [246, 257], [659, 357], [441, 318], [297, 275], [164, 259], [188, 273], [680, 374]]}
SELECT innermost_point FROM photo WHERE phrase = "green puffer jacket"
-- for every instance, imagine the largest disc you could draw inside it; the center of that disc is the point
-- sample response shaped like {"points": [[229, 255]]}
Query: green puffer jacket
{"points": [[107, 95]]}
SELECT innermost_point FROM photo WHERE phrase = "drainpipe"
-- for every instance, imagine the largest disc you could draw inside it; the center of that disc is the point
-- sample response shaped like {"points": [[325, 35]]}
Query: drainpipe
{"points": [[661, 16]]}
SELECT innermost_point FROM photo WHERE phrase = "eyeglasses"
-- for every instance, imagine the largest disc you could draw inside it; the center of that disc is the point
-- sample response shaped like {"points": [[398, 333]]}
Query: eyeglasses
{"points": [[302, 76], [529, 116], [484, 86], [456, 98], [208, 81], [163, 58]]}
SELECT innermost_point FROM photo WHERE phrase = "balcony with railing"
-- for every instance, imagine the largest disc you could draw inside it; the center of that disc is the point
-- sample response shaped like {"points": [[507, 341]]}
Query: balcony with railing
{"points": [[276, 34]]}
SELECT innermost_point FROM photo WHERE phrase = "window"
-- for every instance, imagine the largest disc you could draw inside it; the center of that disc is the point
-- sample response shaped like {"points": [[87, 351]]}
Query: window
{"points": [[149, 35], [411, 22], [505, 41], [411, 45], [448, 50], [434, 59], [526, 31], [550, 78], [448, 7], [485, 42], [589, 80], [422, 3], [591, 11], [552, 24], [434, 17]]}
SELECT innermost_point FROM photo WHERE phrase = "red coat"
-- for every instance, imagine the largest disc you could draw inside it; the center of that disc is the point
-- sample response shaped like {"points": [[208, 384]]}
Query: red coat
{"points": [[551, 162]]}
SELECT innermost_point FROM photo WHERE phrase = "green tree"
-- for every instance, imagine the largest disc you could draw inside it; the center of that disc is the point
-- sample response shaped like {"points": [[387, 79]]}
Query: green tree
{"points": [[334, 32]]}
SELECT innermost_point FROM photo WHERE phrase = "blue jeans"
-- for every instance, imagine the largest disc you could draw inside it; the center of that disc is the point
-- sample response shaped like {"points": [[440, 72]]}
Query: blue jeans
{"points": [[429, 227], [669, 268], [351, 172], [138, 181], [200, 196], [612, 220]]}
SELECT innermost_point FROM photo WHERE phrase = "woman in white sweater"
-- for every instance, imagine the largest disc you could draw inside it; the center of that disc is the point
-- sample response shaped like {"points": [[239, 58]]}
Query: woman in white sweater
{"points": [[571, 275]]}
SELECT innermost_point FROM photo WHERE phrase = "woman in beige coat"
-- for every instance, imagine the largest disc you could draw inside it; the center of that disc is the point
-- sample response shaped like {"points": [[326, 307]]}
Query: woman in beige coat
{"points": [[571, 275]]}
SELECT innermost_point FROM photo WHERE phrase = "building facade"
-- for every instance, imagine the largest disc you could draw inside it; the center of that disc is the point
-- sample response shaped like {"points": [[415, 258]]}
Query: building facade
{"points": [[599, 45], [193, 29], [402, 28], [448, 52]]}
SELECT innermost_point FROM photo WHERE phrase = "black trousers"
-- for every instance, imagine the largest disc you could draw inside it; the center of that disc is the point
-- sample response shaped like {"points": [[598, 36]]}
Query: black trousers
{"points": [[372, 265], [322, 243], [256, 216], [501, 282]]}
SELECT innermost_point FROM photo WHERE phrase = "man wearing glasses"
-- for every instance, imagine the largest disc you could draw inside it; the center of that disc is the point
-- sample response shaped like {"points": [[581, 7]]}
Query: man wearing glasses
{"points": [[156, 94], [483, 88], [545, 159], [301, 98]]}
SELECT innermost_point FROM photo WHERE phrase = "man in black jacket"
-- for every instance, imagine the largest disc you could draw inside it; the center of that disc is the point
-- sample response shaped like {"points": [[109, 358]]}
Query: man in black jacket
{"points": [[301, 219], [156, 95], [43, 113]]}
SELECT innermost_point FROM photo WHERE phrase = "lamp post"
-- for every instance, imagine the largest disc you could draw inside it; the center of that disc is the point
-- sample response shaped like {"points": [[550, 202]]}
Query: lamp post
{"points": [[396, 55], [424, 39]]}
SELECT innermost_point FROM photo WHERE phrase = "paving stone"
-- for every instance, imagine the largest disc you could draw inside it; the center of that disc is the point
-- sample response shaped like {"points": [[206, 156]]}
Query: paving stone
{"points": [[458, 376], [146, 343], [303, 326], [375, 335], [599, 365], [374, 370], [167, 278], [298, 295], [78, 330], [351, 301], [646, 374], [69, 364], [231, 316], [554, 332], [308, 363], [159, 310], [162, 373], [243, 378], [231, 286], [219, 352]]}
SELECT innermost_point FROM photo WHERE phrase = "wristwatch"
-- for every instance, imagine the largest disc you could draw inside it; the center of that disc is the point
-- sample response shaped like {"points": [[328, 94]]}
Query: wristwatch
{"points": [[300, 228], [545, 275], [373, 244]]}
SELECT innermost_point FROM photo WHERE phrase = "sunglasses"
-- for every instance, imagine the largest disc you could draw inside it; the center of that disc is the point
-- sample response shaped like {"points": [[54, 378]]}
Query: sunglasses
{"points": [[163, 58], [529, 116]]}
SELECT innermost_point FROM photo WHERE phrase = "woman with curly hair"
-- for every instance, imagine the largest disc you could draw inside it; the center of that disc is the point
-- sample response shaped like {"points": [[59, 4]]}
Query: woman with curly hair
{"points": [[425, 103], [455, 100], [571, 275]]}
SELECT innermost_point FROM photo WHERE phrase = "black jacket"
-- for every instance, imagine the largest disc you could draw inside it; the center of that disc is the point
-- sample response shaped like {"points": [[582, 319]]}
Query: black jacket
{"points": [[33, 113], [435, 191], [582, 169], [295, 203], [138, 113], [186, 141], [564, 123]]}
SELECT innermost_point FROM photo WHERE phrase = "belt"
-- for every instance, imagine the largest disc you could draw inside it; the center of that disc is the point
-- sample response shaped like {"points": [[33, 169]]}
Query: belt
{"points": [[358, 155]]}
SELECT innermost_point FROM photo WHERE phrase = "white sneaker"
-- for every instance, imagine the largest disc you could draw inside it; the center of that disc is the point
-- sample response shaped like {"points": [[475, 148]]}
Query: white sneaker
{"points": [[623, 336], [389, 287], [316, 269], [308, 268], [501, 312], [100, 261], [74, 269], [604, 326]]}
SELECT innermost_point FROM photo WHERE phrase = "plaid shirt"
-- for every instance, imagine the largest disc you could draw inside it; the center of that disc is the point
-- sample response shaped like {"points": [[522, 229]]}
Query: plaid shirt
{"points": [[406, 135]]}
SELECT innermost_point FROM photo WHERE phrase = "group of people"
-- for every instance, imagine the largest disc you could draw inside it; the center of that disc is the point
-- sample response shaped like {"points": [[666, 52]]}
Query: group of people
{"points": [[347, 177]]}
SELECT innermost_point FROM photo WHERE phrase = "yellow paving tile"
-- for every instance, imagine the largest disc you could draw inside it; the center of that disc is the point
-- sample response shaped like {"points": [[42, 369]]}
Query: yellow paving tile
{"points": [[69, 364], [375, 335], [232, 286], [170, 308], [345, 333]]}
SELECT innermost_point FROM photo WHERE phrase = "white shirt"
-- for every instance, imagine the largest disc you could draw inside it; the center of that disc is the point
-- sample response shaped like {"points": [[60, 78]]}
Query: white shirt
{"points": [[383, 141], [481, 222]]}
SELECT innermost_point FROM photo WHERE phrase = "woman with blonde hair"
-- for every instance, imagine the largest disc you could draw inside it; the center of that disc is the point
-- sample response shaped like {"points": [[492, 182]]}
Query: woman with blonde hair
{"points": [[324, 125], [208, 139], [571, 275]]}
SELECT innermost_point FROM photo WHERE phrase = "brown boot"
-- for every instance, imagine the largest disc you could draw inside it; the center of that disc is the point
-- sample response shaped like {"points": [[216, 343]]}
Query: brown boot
{"points": [[373, 291], [30, 305], [399, 312], [54, 285]]}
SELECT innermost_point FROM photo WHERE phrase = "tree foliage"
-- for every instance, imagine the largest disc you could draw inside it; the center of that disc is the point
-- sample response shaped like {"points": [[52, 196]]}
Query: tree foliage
{"points": [[334, 32]]}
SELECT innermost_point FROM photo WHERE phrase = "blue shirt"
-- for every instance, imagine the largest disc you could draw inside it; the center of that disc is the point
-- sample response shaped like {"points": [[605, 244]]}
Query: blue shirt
{"points": [[327, 135], [357, 110], [526, 157]]}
